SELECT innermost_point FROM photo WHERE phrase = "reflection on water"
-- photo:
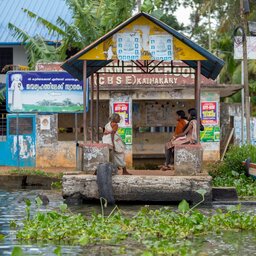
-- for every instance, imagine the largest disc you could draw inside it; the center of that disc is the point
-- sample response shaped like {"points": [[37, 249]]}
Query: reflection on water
{"points": [[227, 243], [12, 207]]}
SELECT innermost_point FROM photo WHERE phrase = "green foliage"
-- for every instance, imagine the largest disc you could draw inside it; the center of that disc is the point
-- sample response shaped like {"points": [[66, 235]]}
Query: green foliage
{"points": [[245, 186], [57, 251], [34, 172], [17, 251], [234, 158], [183, 206], [231, 172], [153, 232], [91, 20], [2, 94], [56, 185]]}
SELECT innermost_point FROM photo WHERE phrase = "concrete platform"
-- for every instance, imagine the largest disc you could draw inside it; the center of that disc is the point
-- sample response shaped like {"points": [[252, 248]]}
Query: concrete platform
{"points": [[139, 188]]}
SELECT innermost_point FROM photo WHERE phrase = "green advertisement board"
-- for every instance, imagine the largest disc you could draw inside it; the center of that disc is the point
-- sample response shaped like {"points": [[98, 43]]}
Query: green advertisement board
{"points": [[126, 134], [210, 134]]}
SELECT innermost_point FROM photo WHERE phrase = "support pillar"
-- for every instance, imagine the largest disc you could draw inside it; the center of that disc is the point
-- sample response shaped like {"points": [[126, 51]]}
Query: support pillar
{"points": [[197, 96], [122, 104]]}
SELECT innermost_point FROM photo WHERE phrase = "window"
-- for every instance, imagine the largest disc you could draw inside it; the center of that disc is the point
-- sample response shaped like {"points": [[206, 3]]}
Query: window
{"points": [[6, 58], [25, 126]]}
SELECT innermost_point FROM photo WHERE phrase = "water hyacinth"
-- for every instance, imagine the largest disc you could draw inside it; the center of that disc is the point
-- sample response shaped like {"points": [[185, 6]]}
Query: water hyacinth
{"points": [[150, 232]]}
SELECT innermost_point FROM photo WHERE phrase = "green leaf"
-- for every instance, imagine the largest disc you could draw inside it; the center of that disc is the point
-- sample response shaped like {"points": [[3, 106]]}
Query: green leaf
{"points": [[234, 208], [57, 251], [84, 240], [63, 207], [39, 202], [13, 224], [236, 174], [17, 251], [2, 236], [183, 206], [201, 191], [28, 202]]}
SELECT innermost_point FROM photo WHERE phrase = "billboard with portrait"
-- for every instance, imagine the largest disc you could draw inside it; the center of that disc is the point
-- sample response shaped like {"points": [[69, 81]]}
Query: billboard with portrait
{"points": [[45, 92]]}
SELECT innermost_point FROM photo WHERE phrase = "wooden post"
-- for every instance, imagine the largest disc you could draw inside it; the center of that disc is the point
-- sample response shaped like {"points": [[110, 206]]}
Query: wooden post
{"points": [[85, 100], [197, 97], [97, 106], [244, 12], [92, 108]]}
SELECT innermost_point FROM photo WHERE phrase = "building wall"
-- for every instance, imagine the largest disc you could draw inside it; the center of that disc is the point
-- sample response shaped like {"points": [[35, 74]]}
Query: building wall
{"points": [[49, 151], [19, 57], [153, 124]]}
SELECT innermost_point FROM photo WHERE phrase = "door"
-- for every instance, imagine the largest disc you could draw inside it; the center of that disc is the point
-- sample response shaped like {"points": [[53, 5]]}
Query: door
{"points": [[21, 140]]}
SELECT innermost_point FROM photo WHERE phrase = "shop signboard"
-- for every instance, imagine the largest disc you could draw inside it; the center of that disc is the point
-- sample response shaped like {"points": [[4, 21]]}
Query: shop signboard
{"points": [[44, 92]]}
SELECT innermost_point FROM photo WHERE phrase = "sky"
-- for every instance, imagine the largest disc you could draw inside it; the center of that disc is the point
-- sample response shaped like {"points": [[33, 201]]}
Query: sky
{"points": [[182, 15]]}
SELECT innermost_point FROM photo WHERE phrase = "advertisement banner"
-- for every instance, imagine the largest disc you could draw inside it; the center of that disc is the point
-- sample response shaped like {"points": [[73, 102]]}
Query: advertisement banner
{"points": [[45, 92], [209, 112], [161, 47], [125, 134], [210, 134], [122, 106], [123, 109]]}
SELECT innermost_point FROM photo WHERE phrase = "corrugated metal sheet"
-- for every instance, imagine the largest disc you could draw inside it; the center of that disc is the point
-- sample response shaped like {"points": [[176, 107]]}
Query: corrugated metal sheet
{"points": [[211, 67], [11, 11]]}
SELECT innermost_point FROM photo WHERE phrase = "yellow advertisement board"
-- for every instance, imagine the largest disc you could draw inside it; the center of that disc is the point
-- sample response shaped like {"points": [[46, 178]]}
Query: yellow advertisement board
{"points": [[142, 39]]}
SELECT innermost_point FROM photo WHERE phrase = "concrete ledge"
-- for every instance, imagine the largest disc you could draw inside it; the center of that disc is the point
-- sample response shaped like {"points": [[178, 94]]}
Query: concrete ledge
{"points": [[26, 181], [139, 188], [224, 194], [188, 159]]}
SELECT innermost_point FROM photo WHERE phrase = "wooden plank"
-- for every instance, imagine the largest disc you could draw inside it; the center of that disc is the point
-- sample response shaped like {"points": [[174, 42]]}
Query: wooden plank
{"points": [[227, 143]]}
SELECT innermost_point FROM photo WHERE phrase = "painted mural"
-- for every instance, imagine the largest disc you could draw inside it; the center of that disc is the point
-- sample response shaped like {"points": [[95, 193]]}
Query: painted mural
{"points": [[47, 92]]}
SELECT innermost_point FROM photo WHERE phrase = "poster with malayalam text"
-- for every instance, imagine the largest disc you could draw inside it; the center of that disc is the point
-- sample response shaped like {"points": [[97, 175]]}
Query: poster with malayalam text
{"points": [[209, 112], [122, 108]]}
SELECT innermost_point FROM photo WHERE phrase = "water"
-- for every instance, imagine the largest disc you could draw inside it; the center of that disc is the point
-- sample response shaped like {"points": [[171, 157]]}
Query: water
{"points": [[12, 207]]}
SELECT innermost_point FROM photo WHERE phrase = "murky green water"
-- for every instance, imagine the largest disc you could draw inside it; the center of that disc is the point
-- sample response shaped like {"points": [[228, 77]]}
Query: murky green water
{"points": [[13, 208]]}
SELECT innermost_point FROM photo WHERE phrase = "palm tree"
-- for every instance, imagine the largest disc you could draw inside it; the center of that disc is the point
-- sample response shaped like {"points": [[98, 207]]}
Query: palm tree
{"points": [[91, 20]]}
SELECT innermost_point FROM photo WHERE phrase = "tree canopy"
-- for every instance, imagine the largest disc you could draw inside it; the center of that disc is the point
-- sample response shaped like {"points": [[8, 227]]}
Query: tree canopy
{"points": [[91, 20]]}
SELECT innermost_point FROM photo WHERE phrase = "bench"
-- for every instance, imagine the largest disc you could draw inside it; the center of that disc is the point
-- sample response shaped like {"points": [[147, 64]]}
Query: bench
{"points": [[188, 159]]}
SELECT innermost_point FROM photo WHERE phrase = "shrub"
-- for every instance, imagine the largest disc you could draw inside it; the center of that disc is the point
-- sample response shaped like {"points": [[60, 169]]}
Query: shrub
{"points": [[233, 160]]}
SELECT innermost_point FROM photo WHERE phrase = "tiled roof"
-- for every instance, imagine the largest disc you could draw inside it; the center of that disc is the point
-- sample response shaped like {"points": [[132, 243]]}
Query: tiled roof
{"points": [[11, 11]]}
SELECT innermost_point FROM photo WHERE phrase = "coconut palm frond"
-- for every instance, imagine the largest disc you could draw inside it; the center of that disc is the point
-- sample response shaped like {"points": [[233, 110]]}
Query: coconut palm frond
{"points": [[37, 49], [50, 26], [71, 31], [2, 94], [20, 34]]}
